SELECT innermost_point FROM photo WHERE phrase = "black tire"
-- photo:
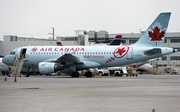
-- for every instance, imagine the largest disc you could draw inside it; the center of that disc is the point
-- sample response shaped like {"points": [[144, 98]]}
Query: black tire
{"points": [[75, 74], [105, 74], [117, 74], [121, 73], [88, 74]]}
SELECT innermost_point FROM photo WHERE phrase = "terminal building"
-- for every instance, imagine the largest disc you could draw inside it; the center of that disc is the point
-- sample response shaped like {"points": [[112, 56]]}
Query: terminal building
{"points": [[84, 38]]}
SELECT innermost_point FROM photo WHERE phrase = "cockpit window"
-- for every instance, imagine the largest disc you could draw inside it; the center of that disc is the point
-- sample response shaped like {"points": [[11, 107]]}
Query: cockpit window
{"points": [[12, 53]]}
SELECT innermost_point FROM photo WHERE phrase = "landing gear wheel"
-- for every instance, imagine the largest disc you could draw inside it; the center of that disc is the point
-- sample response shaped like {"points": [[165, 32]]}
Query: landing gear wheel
{"points": [[88, 74], [75, 74]]}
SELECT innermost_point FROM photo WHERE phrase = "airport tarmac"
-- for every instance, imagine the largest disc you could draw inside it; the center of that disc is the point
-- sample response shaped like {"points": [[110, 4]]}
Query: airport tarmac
{"points": [[97, 94]]}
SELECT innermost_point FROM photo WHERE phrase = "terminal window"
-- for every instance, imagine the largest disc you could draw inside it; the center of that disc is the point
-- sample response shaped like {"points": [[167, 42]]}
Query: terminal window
{"points": [[164, 58], [175, 57], [100, 38], [123, 41], [175, 40], [91, 39], [133, 41]]}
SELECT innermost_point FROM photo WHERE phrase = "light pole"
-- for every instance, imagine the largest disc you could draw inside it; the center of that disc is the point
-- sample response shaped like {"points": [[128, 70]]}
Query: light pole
{"points": [[52, 33]]}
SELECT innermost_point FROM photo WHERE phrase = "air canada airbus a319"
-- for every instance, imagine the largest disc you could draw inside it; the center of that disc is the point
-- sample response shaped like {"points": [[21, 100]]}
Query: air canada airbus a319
{"points": [[70, 59]]}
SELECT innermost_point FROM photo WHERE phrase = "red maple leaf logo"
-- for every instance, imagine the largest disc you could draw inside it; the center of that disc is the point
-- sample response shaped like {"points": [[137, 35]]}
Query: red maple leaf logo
{"points": [[34, 49], [121, 51], [156, 34]]}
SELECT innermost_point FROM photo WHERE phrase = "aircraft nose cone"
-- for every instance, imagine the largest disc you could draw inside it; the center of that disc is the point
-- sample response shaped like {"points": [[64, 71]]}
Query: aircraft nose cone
{"points": [[3, 60]]}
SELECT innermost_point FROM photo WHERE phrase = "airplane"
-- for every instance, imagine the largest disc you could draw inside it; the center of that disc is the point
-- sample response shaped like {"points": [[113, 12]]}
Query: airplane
{"points": [[70, 59]]}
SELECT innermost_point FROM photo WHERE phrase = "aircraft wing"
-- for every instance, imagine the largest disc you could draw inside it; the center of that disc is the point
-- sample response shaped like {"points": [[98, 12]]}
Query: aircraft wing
{"points": [[69, 59], [66, 59]]}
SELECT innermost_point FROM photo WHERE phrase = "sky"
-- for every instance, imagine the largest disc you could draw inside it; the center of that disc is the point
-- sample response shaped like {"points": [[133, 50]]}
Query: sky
{"points": [[35, 18]]}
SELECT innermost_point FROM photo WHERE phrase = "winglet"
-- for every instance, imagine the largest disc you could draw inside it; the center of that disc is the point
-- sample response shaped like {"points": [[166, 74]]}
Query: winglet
{"points": [[59, 44], [155, 34]]}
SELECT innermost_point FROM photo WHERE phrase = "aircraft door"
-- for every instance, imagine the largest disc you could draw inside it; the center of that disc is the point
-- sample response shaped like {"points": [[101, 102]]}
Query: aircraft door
{"points": [[130, 53], [21, 52]]}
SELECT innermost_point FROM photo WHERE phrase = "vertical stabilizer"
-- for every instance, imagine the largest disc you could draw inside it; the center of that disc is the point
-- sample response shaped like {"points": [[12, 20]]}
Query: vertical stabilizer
{"points": [[155, 34], [116, 41], [59, 44]]}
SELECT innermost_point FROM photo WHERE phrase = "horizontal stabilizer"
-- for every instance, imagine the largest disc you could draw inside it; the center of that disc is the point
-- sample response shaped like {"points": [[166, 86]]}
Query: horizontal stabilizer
{"points": [[152, 51]]}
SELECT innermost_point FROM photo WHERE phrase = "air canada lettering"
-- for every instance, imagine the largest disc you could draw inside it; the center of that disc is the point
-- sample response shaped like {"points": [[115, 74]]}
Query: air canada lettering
{"points": [[62, 49]]}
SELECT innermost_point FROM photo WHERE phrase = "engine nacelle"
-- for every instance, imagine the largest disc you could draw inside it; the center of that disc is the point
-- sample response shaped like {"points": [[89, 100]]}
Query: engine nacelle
{"points": [[47, 67]]}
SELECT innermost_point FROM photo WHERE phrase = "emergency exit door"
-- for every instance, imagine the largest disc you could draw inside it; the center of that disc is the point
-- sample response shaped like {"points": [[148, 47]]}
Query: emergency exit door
{"points": [[130, 54]]}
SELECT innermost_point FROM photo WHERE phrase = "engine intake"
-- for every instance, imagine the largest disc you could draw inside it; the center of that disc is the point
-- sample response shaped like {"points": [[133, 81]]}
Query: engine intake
{"points": [[47, 67]]}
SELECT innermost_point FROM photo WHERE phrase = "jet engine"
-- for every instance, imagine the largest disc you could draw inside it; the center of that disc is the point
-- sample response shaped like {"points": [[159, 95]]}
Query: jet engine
{"points": [[47, 67]]}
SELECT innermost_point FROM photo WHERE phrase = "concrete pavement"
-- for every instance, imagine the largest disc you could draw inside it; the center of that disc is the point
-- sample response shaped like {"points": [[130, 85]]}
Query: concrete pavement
{"points": [[97, 94]]}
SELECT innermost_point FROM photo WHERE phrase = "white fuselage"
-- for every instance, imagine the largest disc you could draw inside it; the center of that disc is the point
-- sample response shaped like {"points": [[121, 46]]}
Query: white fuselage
{"points": [[106, 56]]}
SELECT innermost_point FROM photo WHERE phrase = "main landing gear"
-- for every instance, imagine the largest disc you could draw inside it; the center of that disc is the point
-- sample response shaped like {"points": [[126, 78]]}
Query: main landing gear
{"points": [[76, 74], [88, 74]]}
